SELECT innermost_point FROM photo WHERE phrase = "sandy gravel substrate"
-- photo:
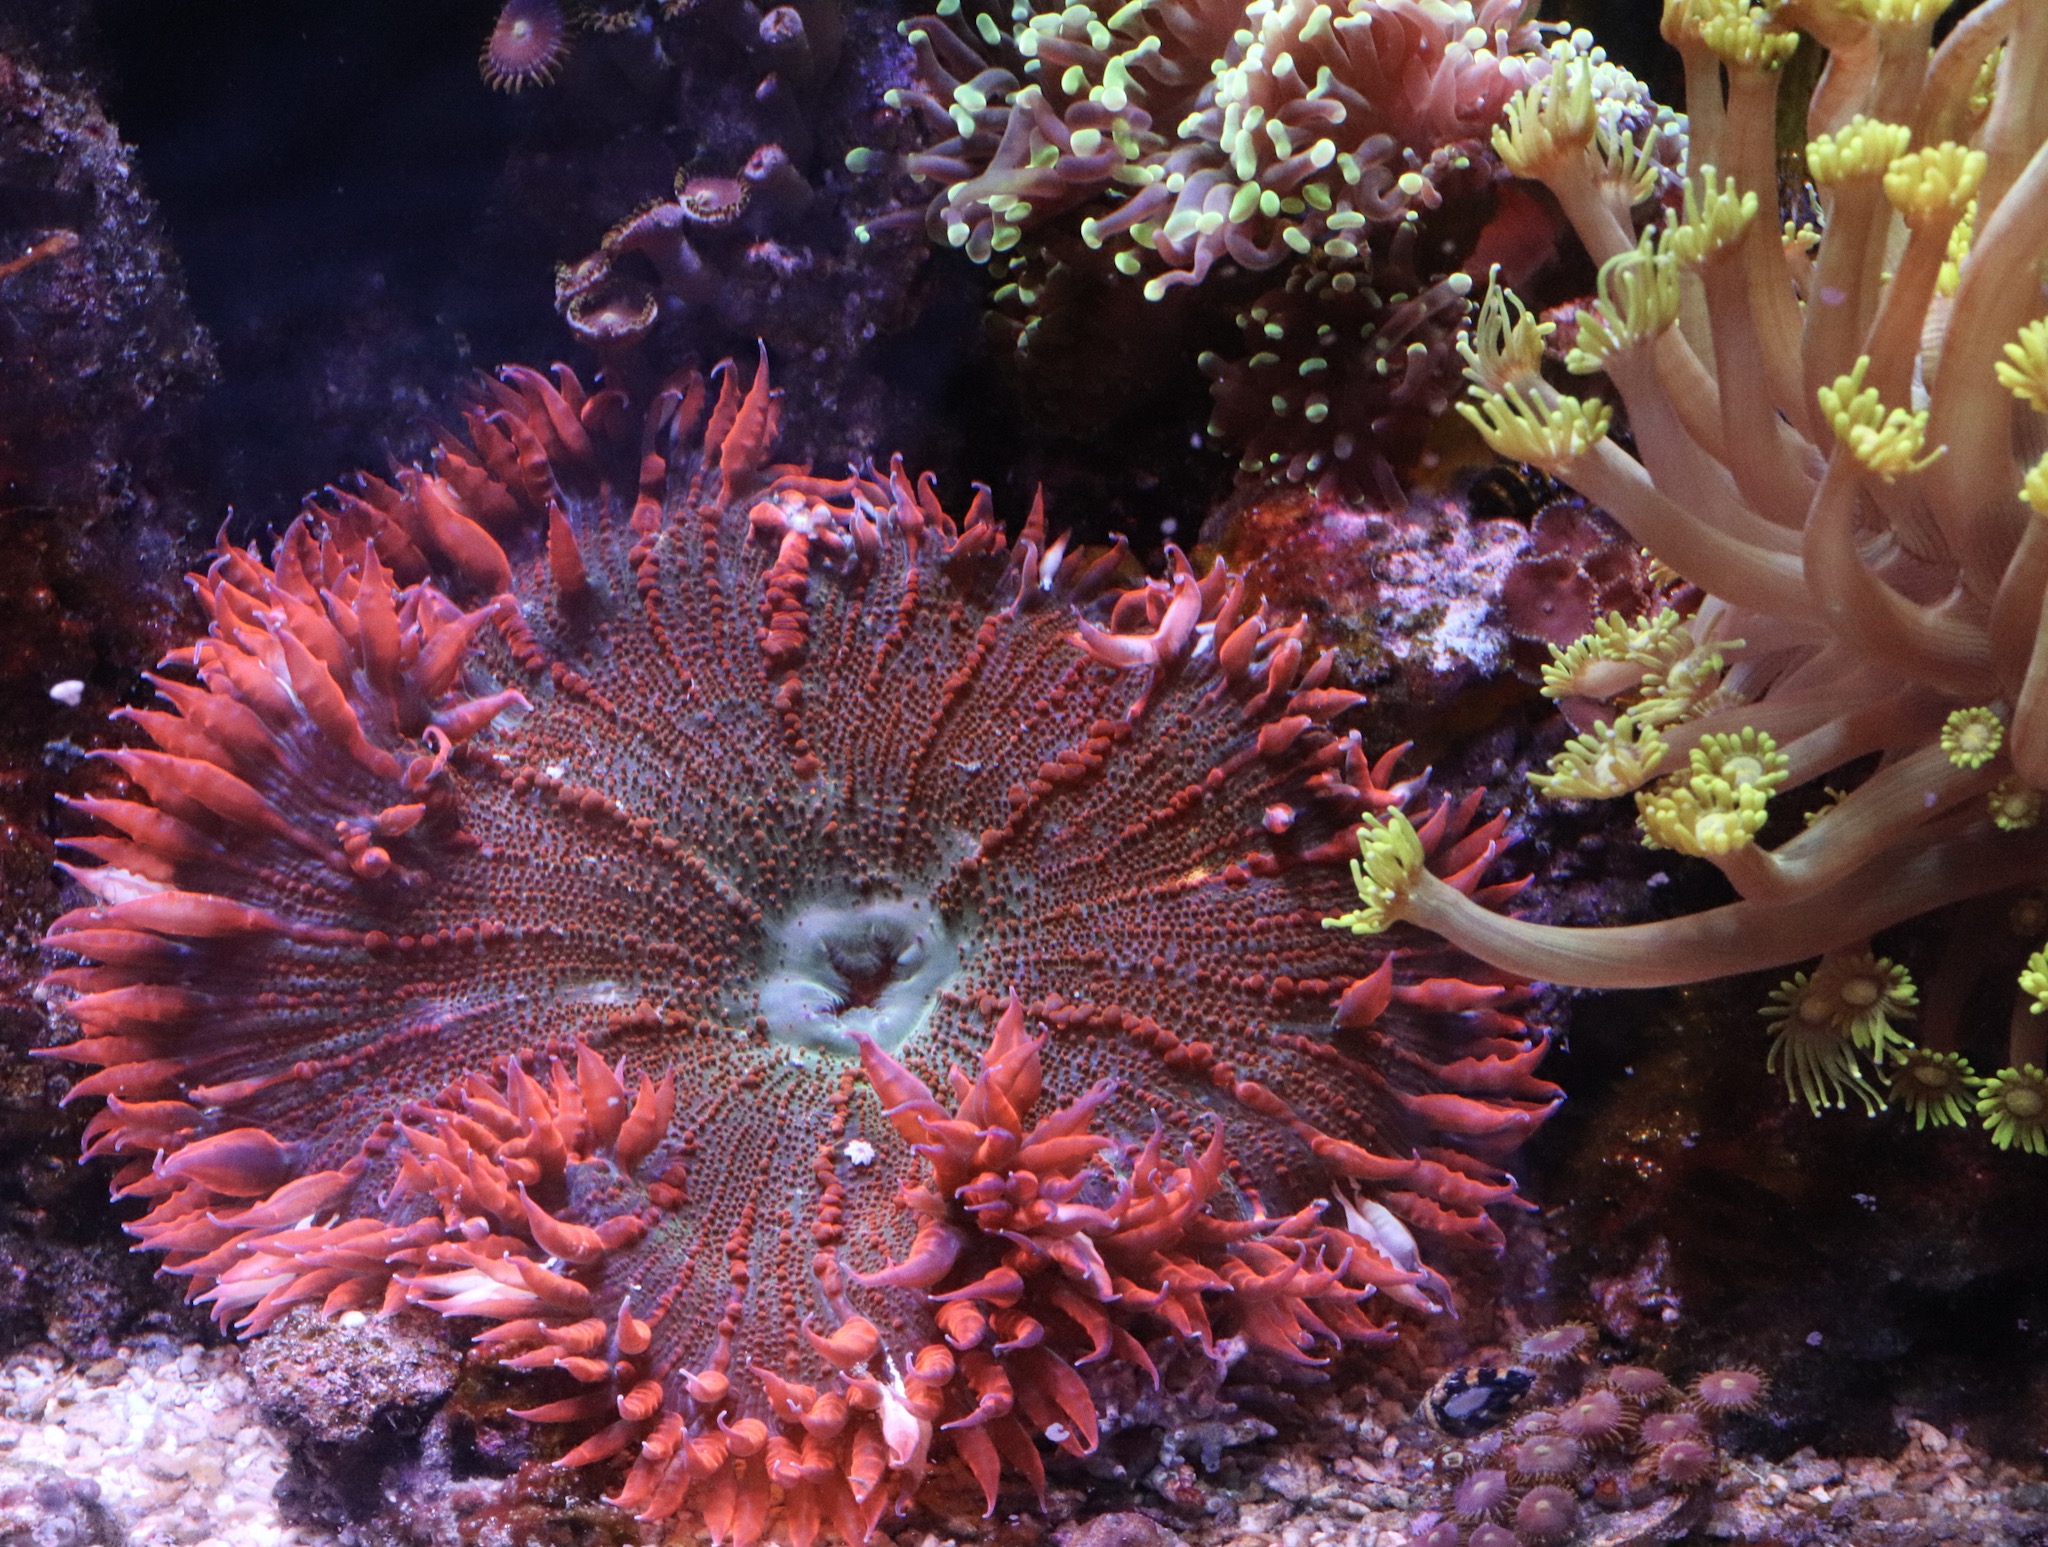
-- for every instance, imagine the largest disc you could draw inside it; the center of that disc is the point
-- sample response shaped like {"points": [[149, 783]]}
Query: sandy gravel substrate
{"points": [[168, 1444], [159, 1444]]}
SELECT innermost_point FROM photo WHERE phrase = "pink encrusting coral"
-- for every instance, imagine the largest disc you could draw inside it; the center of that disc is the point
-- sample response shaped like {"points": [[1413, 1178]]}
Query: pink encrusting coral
{"points": [[576, 867]]}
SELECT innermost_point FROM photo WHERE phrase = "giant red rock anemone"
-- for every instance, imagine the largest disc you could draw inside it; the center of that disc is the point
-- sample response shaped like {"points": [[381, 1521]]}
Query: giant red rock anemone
{"points": [[809, 976]]}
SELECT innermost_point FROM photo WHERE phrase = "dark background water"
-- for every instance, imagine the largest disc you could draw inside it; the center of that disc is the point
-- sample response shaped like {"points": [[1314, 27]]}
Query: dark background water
{"points": [[363, 223]]}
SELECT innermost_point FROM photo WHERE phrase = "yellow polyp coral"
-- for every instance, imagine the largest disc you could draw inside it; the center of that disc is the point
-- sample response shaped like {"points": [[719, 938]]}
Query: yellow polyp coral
{"points": [[2034, 981], [1615, 655], [2013, 1104], [1716, 217], [1544, 428], [2024, 370], [1504, 346], [1812, 1042], [1870, 997], [1613, 758], [1629, 165], [1661, 670], [1960, 235], [1744, 37], [1719, 804], [2013, 806], [1688, 687], [1549, 121], [1887, 442], [2034, 487], [1638, 299], [1972, 737], [1936, 184], [1939, 1089], [1514, 410], [1832, 444], [1389, 861], [1863, 147]]}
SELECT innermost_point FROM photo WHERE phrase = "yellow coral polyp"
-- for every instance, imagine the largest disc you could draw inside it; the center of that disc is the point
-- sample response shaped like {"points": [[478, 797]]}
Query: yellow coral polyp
{"points": [[1869, 996], [1504, 345], [1812, 1043], [1984, 91], [1937, 1088], [1389, 858], [1886, 442], [1682, 689], [1627, 649], [1960, 236], [1544, 428], [1714, 217], [1628, 163], [2034, 487], [1935, 185], [1863, 147], [1613, 758], [1549, 121], [2013, 805], [1972, 737], [1587, 669], [2024, 370], [1637, 301], [1720, 804], [2034, 981], [1745, 38], [2013, 1104]]}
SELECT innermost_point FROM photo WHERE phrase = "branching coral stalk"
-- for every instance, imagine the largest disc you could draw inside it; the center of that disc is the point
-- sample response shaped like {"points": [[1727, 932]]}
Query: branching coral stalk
{"points": [[1859, 497]]}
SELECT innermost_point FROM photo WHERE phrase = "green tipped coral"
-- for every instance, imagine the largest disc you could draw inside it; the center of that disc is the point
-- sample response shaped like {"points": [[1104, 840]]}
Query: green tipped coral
{"points": [[1389, 859], [1939, 1089], [1819, 1059], [1720, 803], [1346, 147], [2013, 1105], [1827, 1023], [1972, 737], [2034, 981], [1818, 432], [2013, 806], [1613, 758]]}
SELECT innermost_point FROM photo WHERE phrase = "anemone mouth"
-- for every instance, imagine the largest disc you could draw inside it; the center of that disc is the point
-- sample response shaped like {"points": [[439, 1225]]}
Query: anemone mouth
{"points": [[839, 971]]}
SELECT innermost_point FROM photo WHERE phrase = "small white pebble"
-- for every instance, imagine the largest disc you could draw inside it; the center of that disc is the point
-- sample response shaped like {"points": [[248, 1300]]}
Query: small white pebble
{"points": [[68, 692]]}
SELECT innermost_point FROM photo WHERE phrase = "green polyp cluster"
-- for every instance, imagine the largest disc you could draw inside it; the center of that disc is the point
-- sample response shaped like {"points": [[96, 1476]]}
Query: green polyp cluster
{"points": [[1180, 138]]}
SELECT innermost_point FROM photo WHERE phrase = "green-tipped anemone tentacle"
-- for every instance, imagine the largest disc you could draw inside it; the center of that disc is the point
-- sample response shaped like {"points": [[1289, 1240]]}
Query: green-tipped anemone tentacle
{"points": [[1720, 942]]}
